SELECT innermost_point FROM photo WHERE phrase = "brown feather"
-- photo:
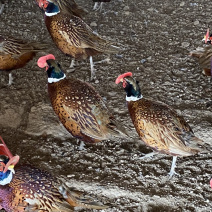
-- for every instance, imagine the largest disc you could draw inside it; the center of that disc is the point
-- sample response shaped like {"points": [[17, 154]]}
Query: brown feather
{"points": [[82, 111], [15, 53], [161, 128], [34, 190], [75, 38]]}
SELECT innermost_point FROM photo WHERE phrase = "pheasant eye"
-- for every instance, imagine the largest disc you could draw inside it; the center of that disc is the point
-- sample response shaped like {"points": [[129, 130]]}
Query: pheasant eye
{"points": [[124, 84], [44, 4]]}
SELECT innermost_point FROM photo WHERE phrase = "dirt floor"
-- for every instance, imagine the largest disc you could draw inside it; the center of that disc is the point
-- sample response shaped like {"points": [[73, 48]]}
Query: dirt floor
{"points": [[156, 37]]}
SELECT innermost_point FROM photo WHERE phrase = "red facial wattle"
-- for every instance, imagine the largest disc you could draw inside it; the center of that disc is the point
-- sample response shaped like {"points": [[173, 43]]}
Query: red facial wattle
{"points": [[4, 150], [13, 160], [43, 4], [124, 83], [2, 166]]}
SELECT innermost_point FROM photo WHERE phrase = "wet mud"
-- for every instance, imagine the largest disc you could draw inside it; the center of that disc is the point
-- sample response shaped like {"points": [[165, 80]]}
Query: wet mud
{"points": [[156, 37]]}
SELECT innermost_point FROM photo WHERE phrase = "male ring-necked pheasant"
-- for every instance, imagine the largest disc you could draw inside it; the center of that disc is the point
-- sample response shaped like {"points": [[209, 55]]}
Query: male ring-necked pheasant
{"points": [[31, 189], [15, 53], [157, 124], [71, 34], [79, 107]]}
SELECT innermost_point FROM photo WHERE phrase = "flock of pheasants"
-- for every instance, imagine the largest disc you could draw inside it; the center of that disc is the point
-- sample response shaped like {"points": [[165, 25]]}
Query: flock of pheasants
{"points": [[83, 112]]}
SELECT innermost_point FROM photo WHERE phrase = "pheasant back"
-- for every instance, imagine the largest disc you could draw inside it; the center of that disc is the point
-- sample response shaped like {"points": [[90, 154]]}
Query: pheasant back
{"points": [[161, 128], [82, 111]]}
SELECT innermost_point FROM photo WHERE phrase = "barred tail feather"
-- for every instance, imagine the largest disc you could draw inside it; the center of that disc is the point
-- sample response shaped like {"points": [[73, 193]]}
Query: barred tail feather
{"points": [[37, 46]]}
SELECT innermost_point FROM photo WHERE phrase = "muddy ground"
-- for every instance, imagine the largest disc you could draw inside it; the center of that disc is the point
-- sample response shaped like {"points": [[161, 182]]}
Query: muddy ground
{"points": [[156, 37]]}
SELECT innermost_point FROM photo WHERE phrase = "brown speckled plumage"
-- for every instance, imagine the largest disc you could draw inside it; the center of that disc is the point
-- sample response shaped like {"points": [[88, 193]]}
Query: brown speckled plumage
{"points": [[15, 53], [158, 125], [34, 190], [161, 128], [75, 38], [72, 35], [82, 111]]}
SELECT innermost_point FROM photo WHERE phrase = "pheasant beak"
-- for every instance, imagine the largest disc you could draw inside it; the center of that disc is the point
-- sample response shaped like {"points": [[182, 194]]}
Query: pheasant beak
{"points": [[11, 168]]}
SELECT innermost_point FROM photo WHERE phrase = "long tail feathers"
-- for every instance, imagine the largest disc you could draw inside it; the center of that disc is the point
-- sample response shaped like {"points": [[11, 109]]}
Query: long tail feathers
{"points": [[37, 47], [77, 199]]}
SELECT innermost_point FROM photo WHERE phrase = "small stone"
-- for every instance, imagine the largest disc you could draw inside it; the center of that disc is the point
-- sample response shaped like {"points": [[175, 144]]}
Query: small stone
{"points": [[126, 8], [185, 44], [42, 120], [96, 81], [150, 9], [93, 24], [196, 22], [143, 61], [182, 4], [119, 56], [126, 12]]}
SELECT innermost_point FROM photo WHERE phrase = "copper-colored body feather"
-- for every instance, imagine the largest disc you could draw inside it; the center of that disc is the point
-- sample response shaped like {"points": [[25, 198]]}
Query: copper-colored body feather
{"points": [[204, 56], [75, 38], [82, 111], [15, 53], [34, 190], [161, 128]]}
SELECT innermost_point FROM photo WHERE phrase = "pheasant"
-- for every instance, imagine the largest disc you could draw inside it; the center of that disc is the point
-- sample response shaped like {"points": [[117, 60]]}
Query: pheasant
{"points": [[79, 107], [159, 125], [204, 55], [72, 35], [15, 53], [31, 189]]}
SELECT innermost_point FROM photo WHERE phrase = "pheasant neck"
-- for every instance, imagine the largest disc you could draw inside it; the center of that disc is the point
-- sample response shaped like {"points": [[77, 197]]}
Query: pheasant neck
{"points": [[8, 178], [133, 98], [52, 80], [52, 9]]}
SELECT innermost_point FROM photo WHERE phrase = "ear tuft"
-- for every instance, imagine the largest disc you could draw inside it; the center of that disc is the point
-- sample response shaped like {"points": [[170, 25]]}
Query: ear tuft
{"points": [[42, 60], [128, 74]]}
